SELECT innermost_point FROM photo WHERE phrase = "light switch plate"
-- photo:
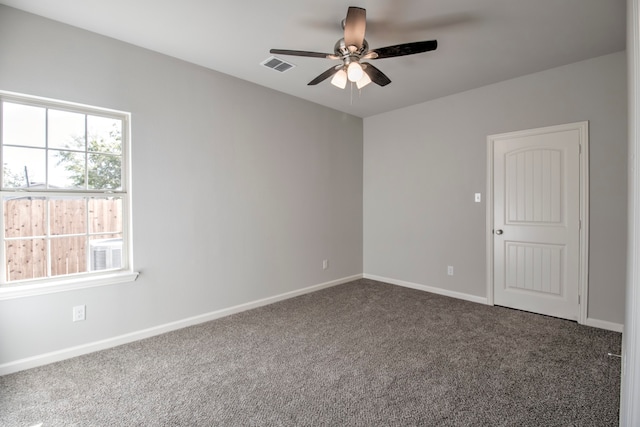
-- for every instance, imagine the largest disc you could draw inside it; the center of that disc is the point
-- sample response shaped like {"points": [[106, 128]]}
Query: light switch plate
{"points": [[478, 198]]}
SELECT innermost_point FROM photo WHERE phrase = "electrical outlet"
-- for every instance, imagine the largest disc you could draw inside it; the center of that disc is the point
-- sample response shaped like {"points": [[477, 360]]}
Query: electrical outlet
{"points": [[78, 313], [325, 264], [450, 270]]}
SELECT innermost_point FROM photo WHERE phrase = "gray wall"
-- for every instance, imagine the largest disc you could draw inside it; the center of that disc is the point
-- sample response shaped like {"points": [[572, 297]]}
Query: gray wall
{"points": [[239, 192], [422, 165], [265, 186]]}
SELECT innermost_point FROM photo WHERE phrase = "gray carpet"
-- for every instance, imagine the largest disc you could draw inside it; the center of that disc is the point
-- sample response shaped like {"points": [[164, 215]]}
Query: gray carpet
{"points": [[362, 354]]}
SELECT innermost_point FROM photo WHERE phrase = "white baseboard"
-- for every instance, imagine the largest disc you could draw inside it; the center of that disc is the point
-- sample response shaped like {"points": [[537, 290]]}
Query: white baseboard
{"points": [[603, 324], [433, 290], [595, 323], [67, 353]]}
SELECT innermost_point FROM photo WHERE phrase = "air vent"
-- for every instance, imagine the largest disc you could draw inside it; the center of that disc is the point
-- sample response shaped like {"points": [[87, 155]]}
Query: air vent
{"points": [[277, 64]]}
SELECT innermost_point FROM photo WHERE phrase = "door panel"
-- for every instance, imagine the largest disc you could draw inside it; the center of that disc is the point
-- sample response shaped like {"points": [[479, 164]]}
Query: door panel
{"points": [[534, 186], [535, 268], [537, 214]]}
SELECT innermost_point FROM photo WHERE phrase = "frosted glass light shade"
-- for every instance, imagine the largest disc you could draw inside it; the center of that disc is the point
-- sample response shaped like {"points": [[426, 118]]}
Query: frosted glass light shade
{"points": [[354, 71], [340, 79], [364, 80]]}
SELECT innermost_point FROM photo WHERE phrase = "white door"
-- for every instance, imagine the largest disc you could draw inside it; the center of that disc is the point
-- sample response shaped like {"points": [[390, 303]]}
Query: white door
{"points": [[537, 219]]}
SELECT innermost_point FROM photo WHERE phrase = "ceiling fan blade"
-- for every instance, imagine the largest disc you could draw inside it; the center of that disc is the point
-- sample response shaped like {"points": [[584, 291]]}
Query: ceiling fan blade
{"points": [[402, 49], [354, 27], [322, 77], [302, 53], [376, 76]]}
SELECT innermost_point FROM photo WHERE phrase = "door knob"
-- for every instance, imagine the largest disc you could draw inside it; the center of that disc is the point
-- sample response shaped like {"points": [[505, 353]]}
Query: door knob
{"points": [[499, 232]]}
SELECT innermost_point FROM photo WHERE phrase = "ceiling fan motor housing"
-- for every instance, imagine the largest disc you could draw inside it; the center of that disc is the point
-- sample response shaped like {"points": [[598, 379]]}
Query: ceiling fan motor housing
{"points": [[353, 48], [343, 51]]}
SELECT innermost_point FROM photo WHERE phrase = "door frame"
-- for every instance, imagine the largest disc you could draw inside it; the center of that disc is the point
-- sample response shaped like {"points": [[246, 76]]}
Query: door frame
{"points": [[583, 269]]}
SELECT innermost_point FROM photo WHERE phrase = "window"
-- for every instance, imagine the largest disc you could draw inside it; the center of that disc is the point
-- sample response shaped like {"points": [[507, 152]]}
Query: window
{"points": [[64, 193]]}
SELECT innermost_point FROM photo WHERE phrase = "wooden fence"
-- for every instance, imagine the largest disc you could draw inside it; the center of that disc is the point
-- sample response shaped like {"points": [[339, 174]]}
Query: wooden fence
{"points": [[26, 219]]}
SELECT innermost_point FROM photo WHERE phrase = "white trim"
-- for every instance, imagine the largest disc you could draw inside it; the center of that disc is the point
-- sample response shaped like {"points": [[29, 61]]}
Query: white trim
{"points": [[51, 284], [630, 387], [583, 275], [584, 224], [67, 353], [63, 105], [432, 289], [83, 281], [489, 223], [595, 323], [603, 324]]}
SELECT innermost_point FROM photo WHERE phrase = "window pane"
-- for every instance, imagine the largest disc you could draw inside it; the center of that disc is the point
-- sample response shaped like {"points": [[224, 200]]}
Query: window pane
{"points": [[66, 169], [24, 217], [23, 125], [26, 259], [105, 252], [55, 149], [67, 215], [20, 163], [66, 130], [68, 255], [104, 171], [105, 134], [105, 215]]}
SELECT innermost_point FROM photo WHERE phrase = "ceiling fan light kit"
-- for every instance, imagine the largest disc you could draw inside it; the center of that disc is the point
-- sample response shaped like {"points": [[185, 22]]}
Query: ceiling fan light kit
{"points": [[354, 71], [365, 80], [352, 49], [340, 79]]}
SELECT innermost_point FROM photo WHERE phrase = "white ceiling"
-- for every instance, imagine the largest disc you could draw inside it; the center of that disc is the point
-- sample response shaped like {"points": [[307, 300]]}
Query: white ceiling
{"points": [[479, 41]]}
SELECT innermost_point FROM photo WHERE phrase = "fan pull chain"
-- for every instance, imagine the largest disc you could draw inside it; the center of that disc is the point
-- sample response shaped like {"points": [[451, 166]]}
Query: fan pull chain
{"points": [[351, 94]]}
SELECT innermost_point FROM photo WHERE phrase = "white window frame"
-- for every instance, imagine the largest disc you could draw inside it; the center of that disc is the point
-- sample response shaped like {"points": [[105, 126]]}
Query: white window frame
{"points": [[39, 286]]}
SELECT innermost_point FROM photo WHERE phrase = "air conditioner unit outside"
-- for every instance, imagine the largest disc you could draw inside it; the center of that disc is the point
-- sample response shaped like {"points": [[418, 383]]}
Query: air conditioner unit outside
{"points": [[105, 254]]}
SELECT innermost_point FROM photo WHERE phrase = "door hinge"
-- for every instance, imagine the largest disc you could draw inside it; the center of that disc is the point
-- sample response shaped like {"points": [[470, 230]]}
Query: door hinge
{"points": [[579, 148], [579, 300]]}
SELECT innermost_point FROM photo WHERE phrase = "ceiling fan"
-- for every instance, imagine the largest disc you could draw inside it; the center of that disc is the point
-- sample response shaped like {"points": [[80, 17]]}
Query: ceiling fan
{"points": [[353, 48]]}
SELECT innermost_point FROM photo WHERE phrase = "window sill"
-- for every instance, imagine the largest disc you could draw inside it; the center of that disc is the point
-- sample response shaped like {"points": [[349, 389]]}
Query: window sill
{"points": [[62, 285]]}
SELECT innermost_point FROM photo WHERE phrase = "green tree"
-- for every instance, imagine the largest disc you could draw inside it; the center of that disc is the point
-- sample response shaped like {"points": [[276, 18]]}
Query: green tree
{"points": [[12, 179], [104, 162]]}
